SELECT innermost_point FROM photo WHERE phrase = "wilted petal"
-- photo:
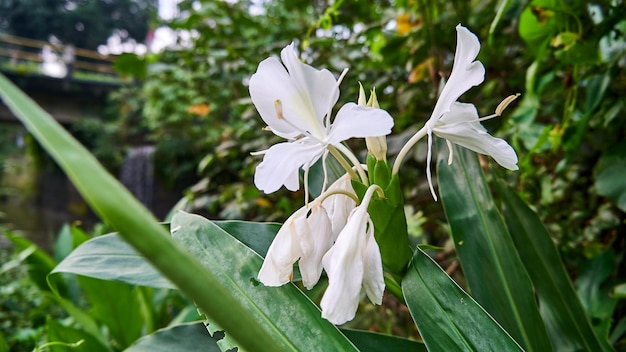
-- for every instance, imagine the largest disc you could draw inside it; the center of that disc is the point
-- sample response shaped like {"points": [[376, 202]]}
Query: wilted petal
{"points": [[281, 163], [344, 264], [315, 240], [339, 206], [461, 126], [373, 279], [466, 73], [277, 268], [354, 121]]}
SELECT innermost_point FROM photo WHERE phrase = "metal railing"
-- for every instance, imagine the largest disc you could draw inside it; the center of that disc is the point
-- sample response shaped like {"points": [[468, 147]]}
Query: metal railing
{"points": [[39, 57]]}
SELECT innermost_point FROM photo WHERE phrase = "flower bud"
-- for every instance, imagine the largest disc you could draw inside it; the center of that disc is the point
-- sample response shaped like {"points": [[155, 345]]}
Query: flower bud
{"points": [[377, 146]]}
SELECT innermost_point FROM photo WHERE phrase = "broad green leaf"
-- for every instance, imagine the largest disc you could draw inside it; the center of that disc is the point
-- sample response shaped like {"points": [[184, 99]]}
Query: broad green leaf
{"points": [[494, 271], [567, 324], [116, 206], [117, 306], [609, 174], [447, 318], [56, 332], [191, 337], [237, 265], [109, 257], [374, 342]]}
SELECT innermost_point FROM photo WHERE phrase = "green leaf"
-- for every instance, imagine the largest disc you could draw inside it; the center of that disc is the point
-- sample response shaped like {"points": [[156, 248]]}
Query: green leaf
{"points": [[109, 257], [39, 262], [567, 324], [117, 207], [375, 342], [69, 335], [495, 274], [447, 318], [609, 175], [117, 306], [596, 296], [192, 337], [238, 266]]}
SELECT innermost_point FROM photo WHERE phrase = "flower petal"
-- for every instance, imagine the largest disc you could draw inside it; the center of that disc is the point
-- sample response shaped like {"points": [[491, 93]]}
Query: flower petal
{"points": [[277, 268], [466, 73], [320, 86], [281, 163], [359, 121], [271, 82], [373, 279], [339, 206], [316, 238], [461, 126], [344, 266]]}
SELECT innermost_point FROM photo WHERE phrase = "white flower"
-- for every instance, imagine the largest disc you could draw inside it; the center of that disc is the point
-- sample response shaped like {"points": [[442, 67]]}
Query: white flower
{"points": [[457, 122], [353, 262], [295, 101], [306, 235]]}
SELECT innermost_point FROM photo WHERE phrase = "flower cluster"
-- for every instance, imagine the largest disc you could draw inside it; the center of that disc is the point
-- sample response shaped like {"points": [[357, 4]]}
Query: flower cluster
{"points": [[335, 232]]}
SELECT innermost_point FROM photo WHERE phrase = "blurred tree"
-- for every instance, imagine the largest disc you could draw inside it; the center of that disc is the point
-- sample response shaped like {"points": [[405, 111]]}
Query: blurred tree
{"points": [[86, 24]]}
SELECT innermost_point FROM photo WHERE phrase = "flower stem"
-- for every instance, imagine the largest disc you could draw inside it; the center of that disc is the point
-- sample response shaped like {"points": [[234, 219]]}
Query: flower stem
{"points": [[335, 149], [405, 149], [343, 162]]}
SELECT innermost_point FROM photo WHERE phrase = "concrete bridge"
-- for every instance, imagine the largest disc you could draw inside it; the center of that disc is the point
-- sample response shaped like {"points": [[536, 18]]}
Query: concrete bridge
{"points": [[67, 82]]}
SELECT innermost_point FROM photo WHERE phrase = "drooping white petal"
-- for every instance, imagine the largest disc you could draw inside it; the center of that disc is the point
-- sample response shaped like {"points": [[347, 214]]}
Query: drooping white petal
{"points": [[373, 279], [466, 73], [319, 85], [277, 268], [345, 266], [355, 121], [316, 238], [461, 126], [281, 163], [339, 206]]}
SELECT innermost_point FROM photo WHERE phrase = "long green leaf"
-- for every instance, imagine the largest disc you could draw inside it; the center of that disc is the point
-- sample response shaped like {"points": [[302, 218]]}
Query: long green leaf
{"points": [[495, 274], [448, 318], [568, 325], [375, 342], [191, 337], [236, 264], [115, 205]]}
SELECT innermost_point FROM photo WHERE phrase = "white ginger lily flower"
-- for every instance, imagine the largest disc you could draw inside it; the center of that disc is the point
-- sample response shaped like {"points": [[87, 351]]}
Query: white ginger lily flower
{"points": [[458, 122], [306, 235], [295, 101], [353, 262]]}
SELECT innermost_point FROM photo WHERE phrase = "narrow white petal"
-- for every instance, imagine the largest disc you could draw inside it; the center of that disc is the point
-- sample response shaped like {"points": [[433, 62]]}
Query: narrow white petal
{"points": [[461, 126], [339, 206], [355, 121], [344, 266], [281, 163], [316, 237], [373, 279], [466, 73], [277, 268]]}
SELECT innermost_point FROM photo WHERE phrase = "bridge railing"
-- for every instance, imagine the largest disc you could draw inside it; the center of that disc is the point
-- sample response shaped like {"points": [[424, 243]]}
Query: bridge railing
{"points": [[31, 56]]}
